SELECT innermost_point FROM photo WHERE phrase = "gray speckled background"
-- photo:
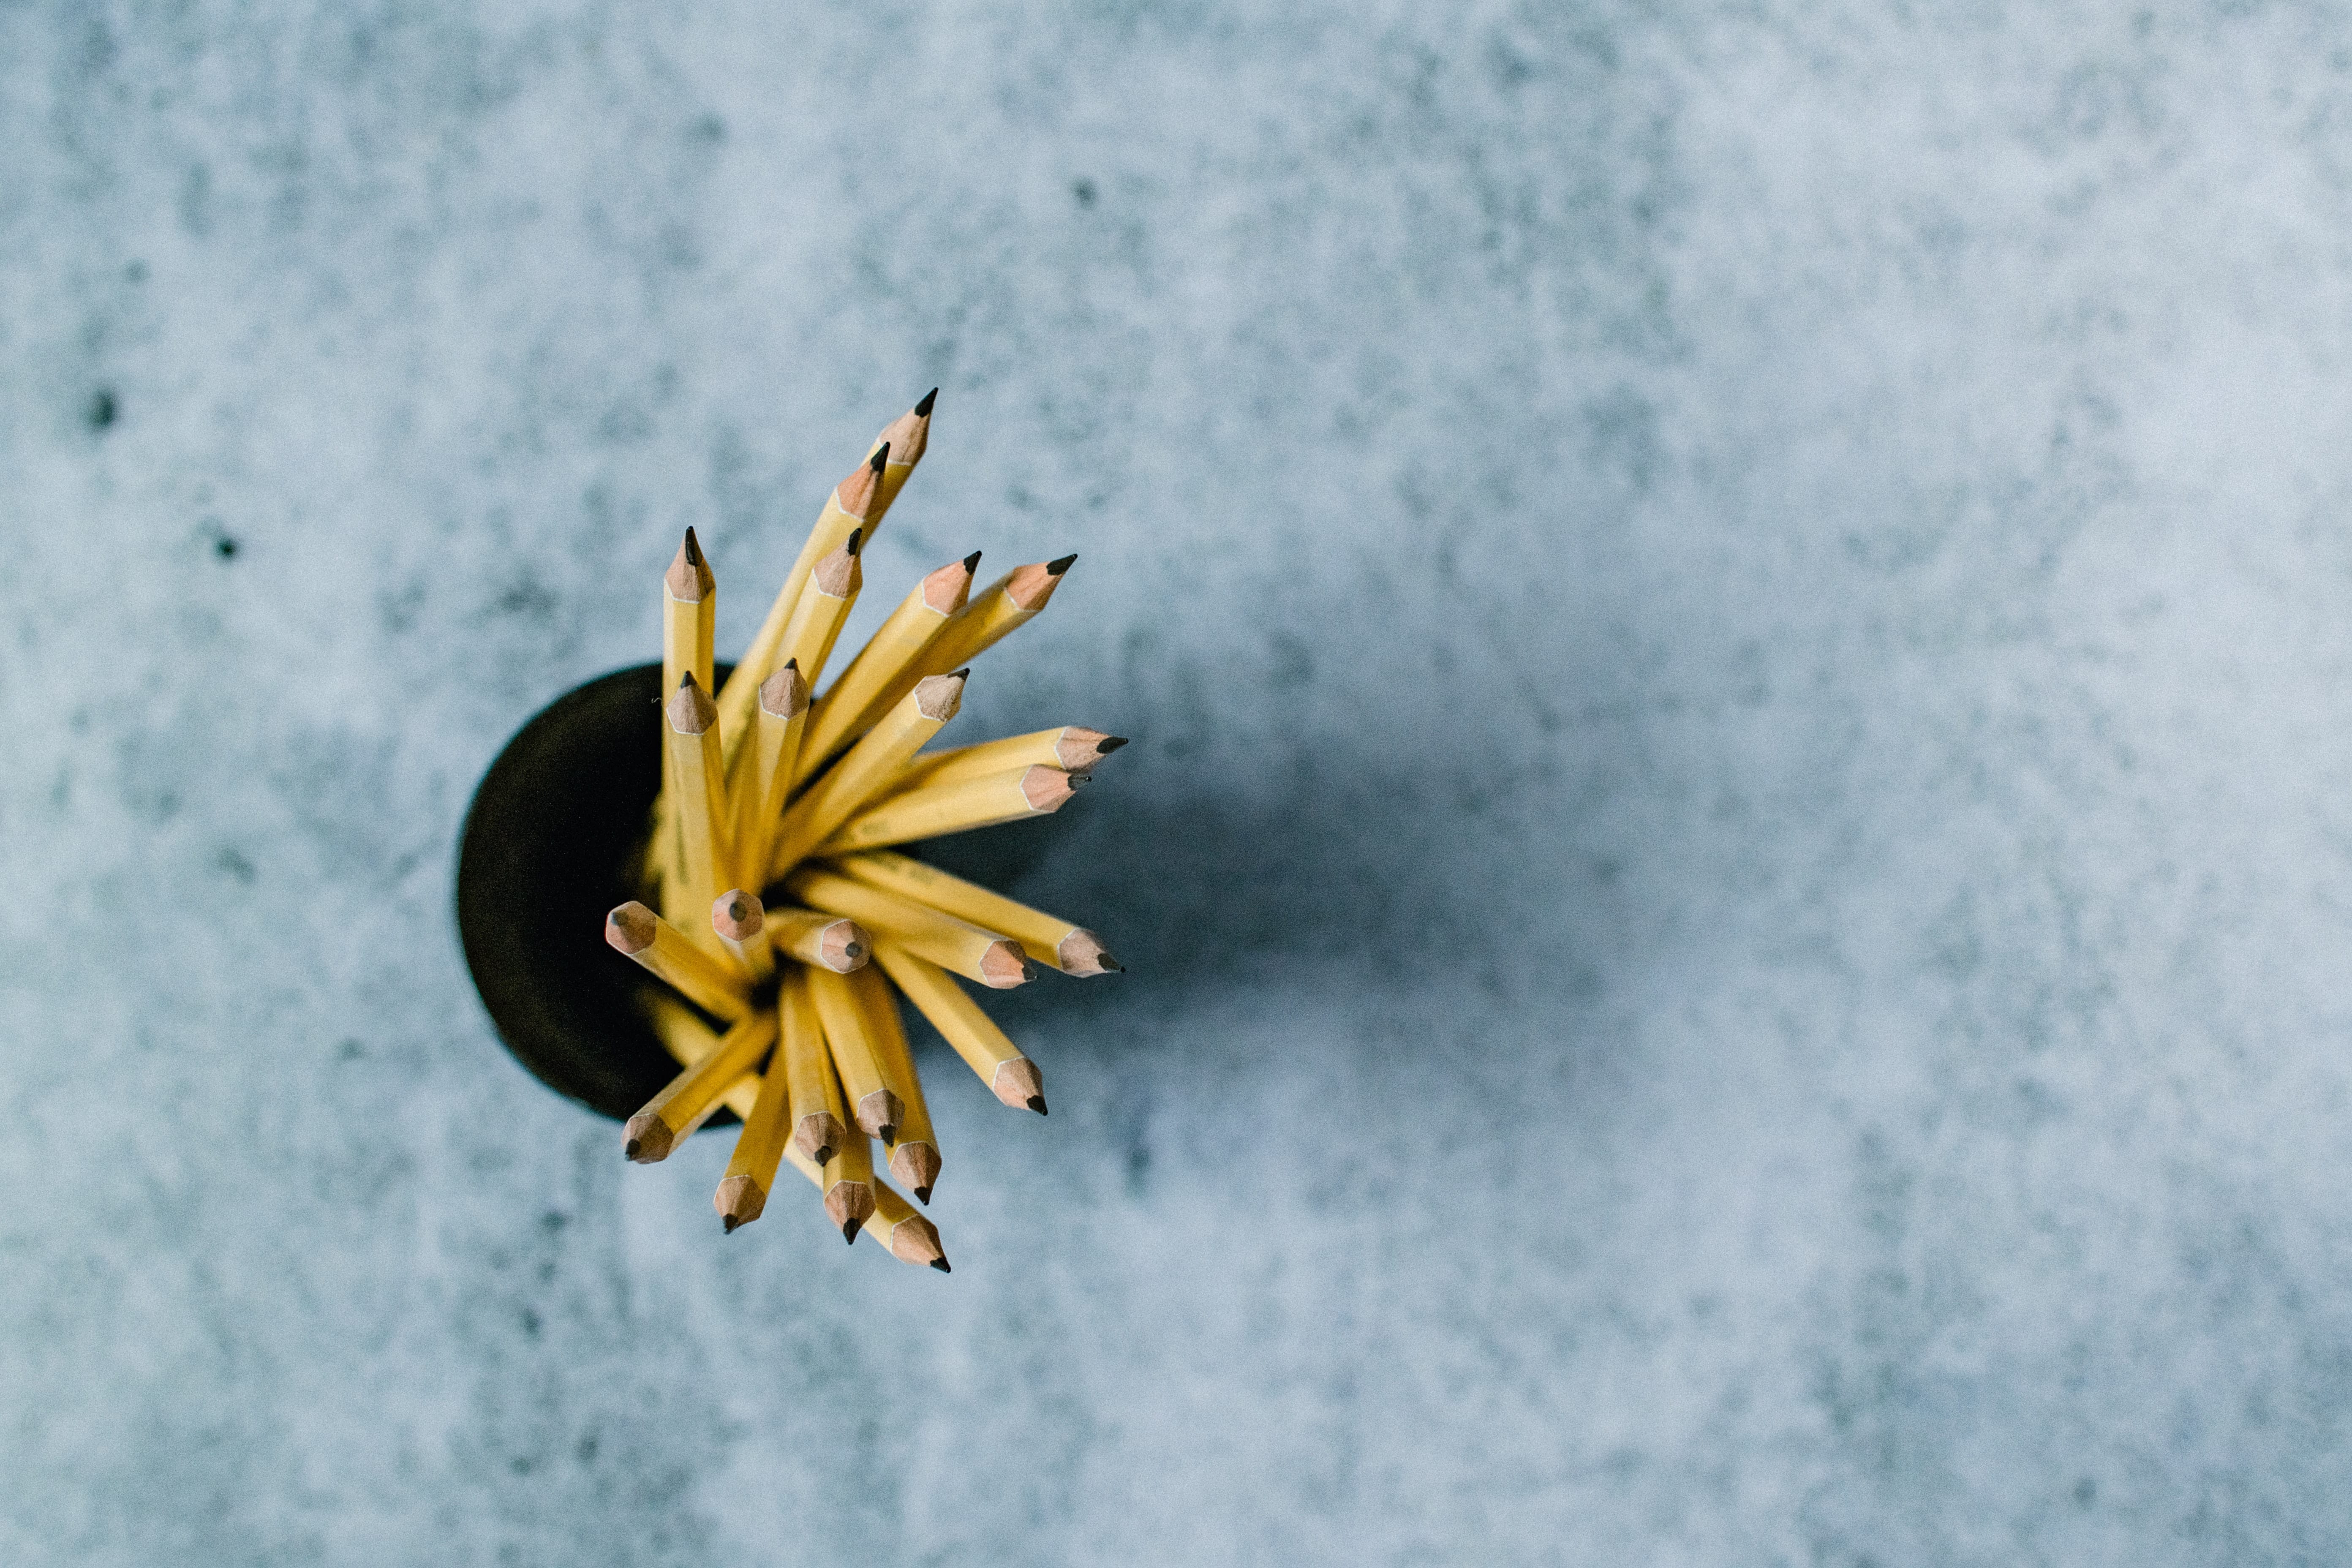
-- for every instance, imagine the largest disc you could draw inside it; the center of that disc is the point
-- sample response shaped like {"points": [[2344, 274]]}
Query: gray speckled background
{"points": [[1738, 865]]}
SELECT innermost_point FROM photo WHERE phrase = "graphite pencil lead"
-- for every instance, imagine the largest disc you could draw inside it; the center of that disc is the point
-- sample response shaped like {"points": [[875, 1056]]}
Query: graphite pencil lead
{"points": [[972, 561], [1055, 568], [689, 579], [1109, 744], [941, 1265], [731, 1222], [1037, 1103], [923, 409], [856, 536], [881, 456]]}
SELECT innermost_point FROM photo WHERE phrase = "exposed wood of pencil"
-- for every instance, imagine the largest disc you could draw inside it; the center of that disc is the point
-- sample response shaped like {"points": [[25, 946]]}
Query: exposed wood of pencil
{"points": [[690, 742], [994, 613], [817, 1130], [814, 937], [671, 955], [845, 513], [1072, 748], [973, 951], [936, 810], [832, 799], [671, 1116], [766, 769], [907, 437], [848, 1037], [910, 1237], [739, 921], [742, 1192], [915, 1153], [1072, 949], [867, 689], [1010, 1075]]}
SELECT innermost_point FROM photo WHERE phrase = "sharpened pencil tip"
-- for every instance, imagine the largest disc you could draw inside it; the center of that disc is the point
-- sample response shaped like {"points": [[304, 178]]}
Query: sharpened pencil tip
{"points": [[1113, 964], [849, 1231], [1055, 568], [923, 409], [693, 550], [1037, 1103], [731, 1222], [1108, 744], [881, 456], [889, 1132], [941, 1265], [972, 561], [923, 1195], [632, 1146], [855, 535]]}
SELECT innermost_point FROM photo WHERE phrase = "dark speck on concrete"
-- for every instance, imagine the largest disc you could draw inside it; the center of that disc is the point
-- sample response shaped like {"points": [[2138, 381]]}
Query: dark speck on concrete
{"points": [[225, 547], [102, 409], [1084, 190]]}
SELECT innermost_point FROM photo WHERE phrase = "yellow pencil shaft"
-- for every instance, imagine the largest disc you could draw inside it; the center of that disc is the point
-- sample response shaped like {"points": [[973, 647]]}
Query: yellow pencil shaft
{"points": [[892, 917], [801, 934], [842, 714], [761, 1145], [832, 528], [1039, 934], [892, 1054], [969, 1032], [689, 1099], [761, 792], [801, 1046], [698, 785], [687, 1037], [826, 805], [688, 628], [987, 618], [848, 1041], [936, 810], [706, 981]]}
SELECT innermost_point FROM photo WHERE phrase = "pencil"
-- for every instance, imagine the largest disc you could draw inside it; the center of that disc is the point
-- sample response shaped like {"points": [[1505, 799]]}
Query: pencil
{"points": [[1072, 949], [910, 1237], [845, 513], [635, 931], [690, 742], [914, 1151], [858, 698], [1073, 748], [761, 783], [689, 602], [935, 810], [739, 922], [742, 1192], [687, 1100], [977, 953], [816, 1101], [811, 632], [848, 1185], [904, 439], [1010, 1076], [848, 1036], [828, 941], [827, 804], [995, 612]]}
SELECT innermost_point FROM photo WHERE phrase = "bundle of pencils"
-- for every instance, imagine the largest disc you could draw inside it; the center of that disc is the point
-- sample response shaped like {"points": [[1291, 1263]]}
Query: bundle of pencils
{"points": [[779, 921]]}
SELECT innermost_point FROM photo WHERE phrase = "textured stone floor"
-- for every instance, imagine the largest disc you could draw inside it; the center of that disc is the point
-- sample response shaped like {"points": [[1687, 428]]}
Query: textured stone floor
{"points": [[1737, 866]]}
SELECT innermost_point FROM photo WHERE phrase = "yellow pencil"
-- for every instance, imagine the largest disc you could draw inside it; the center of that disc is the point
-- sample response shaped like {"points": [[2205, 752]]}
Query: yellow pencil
{"points": [[1010, 1076], [759, 787], [977, 953], [1072, 949], [826, 941], [827, 804], [690, 743], [1073, 748], [848, 1036], [687, 1100], [689, 606], [995, 612], [847, 1181], [936, 810], [910, 1237], [858, 700], [817, 1129], [741, 925], [914, 1151], [905, 439], [671, 955], [845, 513], [742, 1194]]}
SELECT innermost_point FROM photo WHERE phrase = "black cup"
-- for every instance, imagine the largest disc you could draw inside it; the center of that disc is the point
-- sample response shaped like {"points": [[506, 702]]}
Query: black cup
{"points": [[548, 848]]}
